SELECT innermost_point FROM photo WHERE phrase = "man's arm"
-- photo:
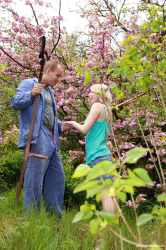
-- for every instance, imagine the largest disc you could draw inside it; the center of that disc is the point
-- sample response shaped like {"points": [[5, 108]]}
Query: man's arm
{"points": [[25, 94]]}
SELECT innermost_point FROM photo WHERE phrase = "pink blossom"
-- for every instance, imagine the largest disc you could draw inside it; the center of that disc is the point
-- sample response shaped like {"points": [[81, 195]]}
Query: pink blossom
{"points": [[69, 90], [161, 152], [109, 144], [81, 142], [62, 138], [161, 123], [149, 167], [149, 187], [129, 203], [154, 159], [113, 178], [60, 17], [133, 124], [159, 186]]}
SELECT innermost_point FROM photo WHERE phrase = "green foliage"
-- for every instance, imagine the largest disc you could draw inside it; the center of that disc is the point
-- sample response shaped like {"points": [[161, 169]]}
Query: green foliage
{"points": [[8, 116], [117, 188], [42, 231], [9, 143], [10, 169]]}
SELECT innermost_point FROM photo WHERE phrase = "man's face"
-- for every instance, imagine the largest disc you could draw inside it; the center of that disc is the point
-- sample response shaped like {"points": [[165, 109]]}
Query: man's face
{"points": [[52, 77]]}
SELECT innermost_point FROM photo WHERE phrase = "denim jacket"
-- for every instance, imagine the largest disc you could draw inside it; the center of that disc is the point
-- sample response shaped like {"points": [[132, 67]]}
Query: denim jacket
{"points": [[22, 101]]}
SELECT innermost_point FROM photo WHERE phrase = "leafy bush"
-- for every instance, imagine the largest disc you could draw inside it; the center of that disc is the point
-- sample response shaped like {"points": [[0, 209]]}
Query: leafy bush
{"points": [[10, 168]]}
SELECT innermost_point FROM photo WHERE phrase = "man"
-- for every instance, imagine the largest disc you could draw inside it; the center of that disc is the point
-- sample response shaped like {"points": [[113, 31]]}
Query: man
{"points": [[42, 177]]}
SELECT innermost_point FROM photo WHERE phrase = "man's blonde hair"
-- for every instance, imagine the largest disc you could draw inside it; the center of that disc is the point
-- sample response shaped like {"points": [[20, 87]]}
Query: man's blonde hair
{"points": [[52, 65]]}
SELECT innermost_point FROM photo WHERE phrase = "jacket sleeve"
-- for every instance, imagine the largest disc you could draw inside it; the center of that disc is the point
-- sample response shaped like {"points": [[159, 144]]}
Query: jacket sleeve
{"points": [[22, 98], [59, 127]]}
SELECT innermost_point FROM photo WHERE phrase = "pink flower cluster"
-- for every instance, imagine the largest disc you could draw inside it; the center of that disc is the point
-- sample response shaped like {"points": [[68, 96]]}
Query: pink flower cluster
{"points": [[74, 155], [139, 199]]}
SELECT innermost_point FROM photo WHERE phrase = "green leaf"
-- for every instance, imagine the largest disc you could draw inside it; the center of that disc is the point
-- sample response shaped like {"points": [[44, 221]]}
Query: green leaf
{"points": [[87, 75], [155, 247], [162, 211], [148, 65], [122, 196], [145, 100], [130, 50], [128, 40], [134, 180], [81, 170], [125, 73], [144, 26], [91, 192], [155, 210], [88, 78], [109, 217], [144, 218], [134, 154], [116, 72], [77, 67], [160, 20], [134, 58], [115, 90], [161, 197], [126, 188], [87, 215], [87, 81], [112, 85], [142, 174], [145, 88], [78, 216], [99, 196], [104, 167], [147, 48], [138, 68], [109, 70], [83, 62], [79, 72], [94, 225], [120, 94], [85, 186]]}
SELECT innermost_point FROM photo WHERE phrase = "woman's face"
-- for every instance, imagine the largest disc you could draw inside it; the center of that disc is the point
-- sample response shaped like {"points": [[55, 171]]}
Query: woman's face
{"points": [[93, 97]]}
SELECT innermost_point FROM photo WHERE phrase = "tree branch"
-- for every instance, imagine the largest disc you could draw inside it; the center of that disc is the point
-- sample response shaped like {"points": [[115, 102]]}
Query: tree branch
{"points": [[59, 28], [34, 14]]}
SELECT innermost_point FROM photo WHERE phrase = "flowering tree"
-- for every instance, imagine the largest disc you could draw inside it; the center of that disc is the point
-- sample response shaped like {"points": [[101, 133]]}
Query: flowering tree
{"points": [[131, 68], [139, 71], [133, 73]]}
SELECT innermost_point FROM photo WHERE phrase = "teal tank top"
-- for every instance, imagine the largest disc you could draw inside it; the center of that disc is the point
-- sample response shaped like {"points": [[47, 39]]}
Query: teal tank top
{"points": [[95, 145]]}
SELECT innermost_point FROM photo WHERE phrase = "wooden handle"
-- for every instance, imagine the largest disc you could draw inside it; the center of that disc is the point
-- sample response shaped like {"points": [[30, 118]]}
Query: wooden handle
{"points": [[38, 156]]}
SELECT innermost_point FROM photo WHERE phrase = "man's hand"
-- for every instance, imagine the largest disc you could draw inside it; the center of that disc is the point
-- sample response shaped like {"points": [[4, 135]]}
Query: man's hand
{"points": [[66, 126], [37, 89]]}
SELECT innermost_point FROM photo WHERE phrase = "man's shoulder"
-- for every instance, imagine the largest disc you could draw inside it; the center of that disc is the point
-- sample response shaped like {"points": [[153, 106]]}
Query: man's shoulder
{"points": [[28, 82]]}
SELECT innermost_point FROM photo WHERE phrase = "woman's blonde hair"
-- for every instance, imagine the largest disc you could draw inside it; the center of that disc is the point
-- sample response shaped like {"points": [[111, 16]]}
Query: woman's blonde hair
{"points": [[104, 96]]}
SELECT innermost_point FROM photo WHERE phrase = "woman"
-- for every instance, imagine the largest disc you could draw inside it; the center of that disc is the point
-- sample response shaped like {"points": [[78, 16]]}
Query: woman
{"points": [[96, 128]]}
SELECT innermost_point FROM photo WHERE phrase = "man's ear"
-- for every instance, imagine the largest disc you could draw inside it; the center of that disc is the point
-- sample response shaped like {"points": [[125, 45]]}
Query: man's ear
{"points": [[48, 71]]}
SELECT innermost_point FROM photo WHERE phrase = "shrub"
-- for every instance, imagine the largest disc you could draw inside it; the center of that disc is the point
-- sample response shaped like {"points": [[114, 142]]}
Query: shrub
{"points": [[10, 169]]}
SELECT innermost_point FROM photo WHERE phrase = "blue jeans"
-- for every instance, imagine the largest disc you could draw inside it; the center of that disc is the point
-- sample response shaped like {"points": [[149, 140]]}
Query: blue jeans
{"points": [[44, 177], [99, 159]]}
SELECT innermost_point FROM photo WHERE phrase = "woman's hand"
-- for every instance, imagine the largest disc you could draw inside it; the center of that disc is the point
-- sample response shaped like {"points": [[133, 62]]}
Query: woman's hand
{"points": [[66, 126]]}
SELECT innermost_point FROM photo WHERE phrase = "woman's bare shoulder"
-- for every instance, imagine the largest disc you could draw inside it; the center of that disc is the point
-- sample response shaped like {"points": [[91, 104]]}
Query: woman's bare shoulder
{"points": [[97, 105]]}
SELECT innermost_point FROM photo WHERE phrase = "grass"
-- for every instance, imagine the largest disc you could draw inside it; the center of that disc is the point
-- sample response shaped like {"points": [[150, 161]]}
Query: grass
{"points": [[44, 232]]}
